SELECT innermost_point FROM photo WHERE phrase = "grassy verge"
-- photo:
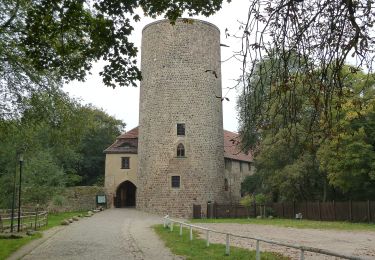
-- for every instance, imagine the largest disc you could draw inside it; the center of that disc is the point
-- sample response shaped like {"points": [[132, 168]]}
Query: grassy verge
{"points": [[336, 225], [8, 246], [197, 250]]}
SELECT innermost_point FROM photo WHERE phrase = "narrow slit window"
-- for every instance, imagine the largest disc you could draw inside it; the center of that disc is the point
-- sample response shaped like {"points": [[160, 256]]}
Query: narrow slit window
{"points": [[180, 150], [180, 129], [175, 181]]}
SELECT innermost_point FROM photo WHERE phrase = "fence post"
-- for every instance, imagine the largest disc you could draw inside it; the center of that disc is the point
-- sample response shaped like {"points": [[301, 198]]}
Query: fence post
{"points": [[180, 229], [302, 255], [36, 218], [282, 205], [207, 238], [46, 218], [350, 210], [368, 211], [227, 247], [255, 210], [165, 222], [307, 209], [334, 210], [294, 209], [191, 233], [1, 225], [257, 254], [320, 211], [171, 226]]}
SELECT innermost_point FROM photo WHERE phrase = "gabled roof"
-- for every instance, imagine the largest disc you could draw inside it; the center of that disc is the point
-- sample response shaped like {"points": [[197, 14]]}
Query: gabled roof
{"points": [[232, 148], [125, 143], [128, 143]]}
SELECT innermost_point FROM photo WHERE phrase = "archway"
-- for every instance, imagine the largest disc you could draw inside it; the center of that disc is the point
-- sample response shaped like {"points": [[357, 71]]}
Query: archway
{"points": [[125, 195]]}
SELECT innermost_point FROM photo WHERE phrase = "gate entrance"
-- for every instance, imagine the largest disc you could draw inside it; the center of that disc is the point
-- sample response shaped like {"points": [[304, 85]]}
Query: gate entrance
{"points": [[125, 195]]}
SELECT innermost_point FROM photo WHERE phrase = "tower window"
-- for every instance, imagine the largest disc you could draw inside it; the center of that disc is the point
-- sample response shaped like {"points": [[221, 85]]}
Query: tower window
{"points": [[180, 150], [175, 181], [226, 185], [125, 163], [180, 129]]}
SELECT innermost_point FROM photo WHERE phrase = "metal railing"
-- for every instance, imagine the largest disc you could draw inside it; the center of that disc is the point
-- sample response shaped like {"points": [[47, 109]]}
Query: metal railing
{"points": [[28, 220], [168, 222]]}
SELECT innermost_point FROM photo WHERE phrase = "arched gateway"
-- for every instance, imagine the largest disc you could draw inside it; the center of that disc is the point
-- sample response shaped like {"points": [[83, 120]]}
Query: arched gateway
{"points": [[125, 195]]}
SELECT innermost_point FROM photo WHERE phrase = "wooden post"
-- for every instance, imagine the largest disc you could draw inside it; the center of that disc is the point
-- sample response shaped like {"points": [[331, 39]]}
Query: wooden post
{"points": [[227, 247], [350, 210], [255, 210], [294, 209], [307, 210], [171, 226], [334, 210], [207, 238], [282, 205], [1, 225], [368, 211], [180, 229], [320, 211], [36, 218]]}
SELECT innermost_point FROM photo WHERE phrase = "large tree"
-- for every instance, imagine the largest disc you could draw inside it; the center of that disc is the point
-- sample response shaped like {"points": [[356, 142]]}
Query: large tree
{"points": [[43, 43], [318, 37]]}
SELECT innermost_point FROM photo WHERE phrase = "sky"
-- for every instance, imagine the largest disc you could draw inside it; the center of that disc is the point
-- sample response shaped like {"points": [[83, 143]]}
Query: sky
{"points": [[123, 102]]}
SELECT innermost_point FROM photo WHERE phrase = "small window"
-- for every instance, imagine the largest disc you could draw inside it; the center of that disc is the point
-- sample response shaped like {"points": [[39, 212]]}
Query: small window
{"points": [[175, 181], [228, 164], [241, 167], [125, 163], [249, 165], [180, 150], [226, 185], [180, 129]]}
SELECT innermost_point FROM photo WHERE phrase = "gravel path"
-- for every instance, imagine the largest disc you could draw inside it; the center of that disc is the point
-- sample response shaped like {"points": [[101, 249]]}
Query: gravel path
{"points": [[111, 234], [358, 243]]}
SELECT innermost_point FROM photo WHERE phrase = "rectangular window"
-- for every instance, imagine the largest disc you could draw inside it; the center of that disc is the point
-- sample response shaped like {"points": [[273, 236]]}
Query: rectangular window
{"points": [[241, 167], [175, 181], [180, 129], [125, 163], [228, 164], [249, 165]]}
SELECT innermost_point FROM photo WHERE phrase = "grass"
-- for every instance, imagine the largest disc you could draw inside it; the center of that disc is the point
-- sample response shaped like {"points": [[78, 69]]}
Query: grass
{"points": [[334, 225], [9, 246], [197, 249]]}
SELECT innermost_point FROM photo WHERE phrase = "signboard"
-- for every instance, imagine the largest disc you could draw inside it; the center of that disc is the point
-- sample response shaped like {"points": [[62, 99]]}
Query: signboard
{"points": [[101, 199]]}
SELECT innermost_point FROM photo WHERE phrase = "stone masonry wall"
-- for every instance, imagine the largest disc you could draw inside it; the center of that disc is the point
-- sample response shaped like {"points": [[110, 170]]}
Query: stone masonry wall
{"points": [[181, 82], [77, 198]]}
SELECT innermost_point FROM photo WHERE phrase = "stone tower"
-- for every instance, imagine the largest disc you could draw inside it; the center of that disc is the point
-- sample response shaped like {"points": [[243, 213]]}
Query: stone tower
{"points": [[180, 148]]}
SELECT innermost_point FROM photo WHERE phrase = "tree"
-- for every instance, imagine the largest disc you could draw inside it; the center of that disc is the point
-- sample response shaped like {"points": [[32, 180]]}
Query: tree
{"points": [[318, 37], [44, 43]]}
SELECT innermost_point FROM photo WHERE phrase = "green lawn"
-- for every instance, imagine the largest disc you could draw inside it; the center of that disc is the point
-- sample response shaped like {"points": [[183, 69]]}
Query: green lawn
{"points": [[294, 223], [197, 250], [8, 246]]}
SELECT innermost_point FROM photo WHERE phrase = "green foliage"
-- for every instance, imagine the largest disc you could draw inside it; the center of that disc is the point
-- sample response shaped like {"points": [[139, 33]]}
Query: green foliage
{"points": [[307, 159], [247, 200], [62, 142], [46, 43], [197, 249]]}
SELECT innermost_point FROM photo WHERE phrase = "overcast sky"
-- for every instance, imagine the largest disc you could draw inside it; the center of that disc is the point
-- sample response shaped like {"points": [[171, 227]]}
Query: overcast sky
{"points": [[123, 102]]}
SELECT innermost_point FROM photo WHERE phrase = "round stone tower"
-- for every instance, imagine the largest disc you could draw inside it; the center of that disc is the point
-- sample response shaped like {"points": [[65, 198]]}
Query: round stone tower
{"points": [[181, 158]]}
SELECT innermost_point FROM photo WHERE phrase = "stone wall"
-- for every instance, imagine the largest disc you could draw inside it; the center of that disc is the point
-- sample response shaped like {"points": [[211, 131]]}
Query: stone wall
{"points": [[235, 173], [75, 199], [181, 82]]}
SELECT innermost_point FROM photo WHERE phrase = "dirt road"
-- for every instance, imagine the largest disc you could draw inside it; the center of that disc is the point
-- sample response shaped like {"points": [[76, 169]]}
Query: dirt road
{"points": [[111, 234], [357, 243]]}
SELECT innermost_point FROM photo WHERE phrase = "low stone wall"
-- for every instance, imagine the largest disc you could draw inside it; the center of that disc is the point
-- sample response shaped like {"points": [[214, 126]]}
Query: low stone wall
{"points": [[79, 198]]}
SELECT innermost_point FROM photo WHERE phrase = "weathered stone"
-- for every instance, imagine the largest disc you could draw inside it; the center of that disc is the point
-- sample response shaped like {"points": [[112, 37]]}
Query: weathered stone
{"points": [[75, 218], [65, 222]]}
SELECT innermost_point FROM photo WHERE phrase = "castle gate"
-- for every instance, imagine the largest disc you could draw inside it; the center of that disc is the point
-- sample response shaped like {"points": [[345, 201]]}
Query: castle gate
{"points": [[125, 195]]}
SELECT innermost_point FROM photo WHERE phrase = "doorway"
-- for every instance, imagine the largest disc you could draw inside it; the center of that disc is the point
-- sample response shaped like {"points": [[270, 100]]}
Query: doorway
{"points": [[125, 195]]}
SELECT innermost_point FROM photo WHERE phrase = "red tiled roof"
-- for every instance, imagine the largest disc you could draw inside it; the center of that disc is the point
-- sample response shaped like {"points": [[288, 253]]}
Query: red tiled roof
{"points": [[232, 147], [129, 134], [125, 143], [130, 138]]}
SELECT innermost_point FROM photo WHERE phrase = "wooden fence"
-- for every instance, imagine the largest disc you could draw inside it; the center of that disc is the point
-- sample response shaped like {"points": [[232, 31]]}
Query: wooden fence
{"points": [[28, 219], [354, 211]]}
